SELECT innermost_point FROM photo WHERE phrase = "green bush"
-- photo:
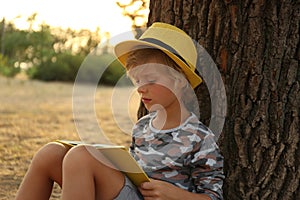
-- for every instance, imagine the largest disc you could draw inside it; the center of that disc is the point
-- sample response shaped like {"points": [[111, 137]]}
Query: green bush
{"points": [[6, 69], [102, 69], [62, 67]]}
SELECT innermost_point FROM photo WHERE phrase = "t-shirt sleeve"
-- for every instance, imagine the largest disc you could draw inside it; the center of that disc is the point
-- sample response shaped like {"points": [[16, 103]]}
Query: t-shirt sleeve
{"points": [[207, 169]]}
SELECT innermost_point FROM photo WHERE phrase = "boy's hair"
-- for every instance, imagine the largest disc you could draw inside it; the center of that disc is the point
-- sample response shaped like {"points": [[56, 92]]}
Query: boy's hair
{"points": [[143, 54], [140, 54]]}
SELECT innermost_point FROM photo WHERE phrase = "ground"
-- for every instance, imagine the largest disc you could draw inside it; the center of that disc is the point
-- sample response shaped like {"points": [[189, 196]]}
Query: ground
{"points": [[33, 113]]}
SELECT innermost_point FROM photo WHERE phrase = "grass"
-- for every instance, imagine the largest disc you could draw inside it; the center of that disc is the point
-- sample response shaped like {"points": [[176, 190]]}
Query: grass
{"points": [[33, 113]]}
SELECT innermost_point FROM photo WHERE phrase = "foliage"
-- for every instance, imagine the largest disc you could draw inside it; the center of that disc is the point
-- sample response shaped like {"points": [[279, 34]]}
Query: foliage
{"points": [[56, 54], [113, 73], [62, 67], [47, 53], [7, 70], [137, 11], [101, 69]]}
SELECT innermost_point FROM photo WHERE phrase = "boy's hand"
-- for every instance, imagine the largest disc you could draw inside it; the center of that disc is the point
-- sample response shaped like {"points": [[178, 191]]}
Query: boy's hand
{"points": [[156, 189], [161, 190]]}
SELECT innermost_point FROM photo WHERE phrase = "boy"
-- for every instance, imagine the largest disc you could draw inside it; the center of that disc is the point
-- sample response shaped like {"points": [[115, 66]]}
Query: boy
{"points": [[170, 143]]}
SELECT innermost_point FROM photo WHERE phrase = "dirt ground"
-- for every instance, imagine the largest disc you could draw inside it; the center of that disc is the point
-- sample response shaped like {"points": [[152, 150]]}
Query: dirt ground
{"points": [[33, 113]]}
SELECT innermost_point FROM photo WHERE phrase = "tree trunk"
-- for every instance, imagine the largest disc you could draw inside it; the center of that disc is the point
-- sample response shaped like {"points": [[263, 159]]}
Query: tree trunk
{"points": [[255, 44]]}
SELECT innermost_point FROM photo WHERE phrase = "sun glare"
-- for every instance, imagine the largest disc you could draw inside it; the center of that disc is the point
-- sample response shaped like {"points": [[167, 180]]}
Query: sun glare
{"points": [[88, 14]]}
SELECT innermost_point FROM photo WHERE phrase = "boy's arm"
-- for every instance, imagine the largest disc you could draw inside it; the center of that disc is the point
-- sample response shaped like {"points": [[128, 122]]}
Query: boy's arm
{"points": [[207, 173]]}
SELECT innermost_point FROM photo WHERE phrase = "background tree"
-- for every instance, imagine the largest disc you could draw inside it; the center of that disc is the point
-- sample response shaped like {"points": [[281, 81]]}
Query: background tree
{"points": [[52, 53], [136, 10], [255, 45]]}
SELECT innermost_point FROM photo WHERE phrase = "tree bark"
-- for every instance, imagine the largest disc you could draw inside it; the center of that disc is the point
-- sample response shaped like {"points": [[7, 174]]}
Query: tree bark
{"points": [[255, 44]]}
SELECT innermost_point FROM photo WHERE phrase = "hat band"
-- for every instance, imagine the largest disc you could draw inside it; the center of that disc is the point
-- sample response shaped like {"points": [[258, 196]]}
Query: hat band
{"points": [[165, 46]]}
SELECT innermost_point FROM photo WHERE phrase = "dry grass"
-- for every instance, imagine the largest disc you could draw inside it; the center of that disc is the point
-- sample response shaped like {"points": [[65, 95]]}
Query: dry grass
{"points": [[34, 113]]}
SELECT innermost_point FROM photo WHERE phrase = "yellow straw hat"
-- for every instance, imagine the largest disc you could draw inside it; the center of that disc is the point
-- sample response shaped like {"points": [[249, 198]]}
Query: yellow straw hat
{"points": [[171, 40]]}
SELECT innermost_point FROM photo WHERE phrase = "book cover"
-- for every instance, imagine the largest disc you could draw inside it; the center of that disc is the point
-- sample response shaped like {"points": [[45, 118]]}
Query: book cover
{"points": [[120, 157]]}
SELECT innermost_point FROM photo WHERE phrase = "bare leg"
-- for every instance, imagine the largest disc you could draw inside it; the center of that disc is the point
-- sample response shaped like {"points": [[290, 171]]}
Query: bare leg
{"points": [[45, 168], [86, 175]]}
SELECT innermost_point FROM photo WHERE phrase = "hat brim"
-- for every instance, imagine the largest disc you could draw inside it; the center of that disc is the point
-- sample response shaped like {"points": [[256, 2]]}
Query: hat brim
{"points": [[123, 49]]}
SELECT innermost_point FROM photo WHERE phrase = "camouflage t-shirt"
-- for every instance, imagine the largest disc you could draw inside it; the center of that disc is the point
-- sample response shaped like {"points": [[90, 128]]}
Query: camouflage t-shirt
{"points": [[186, 156]]}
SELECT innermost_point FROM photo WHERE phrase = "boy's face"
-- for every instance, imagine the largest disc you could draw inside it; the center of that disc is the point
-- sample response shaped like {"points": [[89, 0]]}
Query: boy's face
{"points": [[155, 86]]}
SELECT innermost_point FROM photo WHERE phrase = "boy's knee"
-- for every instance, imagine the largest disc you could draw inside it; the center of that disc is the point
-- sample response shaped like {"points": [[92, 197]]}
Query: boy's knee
{"points": [[49, 154], [83, 156], [77, 154]]}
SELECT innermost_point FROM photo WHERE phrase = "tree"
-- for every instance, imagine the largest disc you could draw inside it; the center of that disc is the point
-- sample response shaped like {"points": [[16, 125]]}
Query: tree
{"points": [[46, 53], [255, 45], [136, 10]]}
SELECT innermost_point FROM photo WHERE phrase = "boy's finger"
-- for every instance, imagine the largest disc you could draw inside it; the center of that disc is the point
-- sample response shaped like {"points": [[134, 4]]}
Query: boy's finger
{"points": [[146, 186]]}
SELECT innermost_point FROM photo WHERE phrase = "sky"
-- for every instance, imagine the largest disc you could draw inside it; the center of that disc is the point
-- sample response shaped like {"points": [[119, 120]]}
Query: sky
{"points": [[84, 14]]}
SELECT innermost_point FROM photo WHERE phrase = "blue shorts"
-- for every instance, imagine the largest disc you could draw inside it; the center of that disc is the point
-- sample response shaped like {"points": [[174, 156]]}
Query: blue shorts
{"points": [[129, 191]]}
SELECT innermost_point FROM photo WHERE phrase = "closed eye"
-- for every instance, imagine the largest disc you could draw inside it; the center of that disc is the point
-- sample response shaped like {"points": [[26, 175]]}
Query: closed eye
{"points": [[151, 81]]}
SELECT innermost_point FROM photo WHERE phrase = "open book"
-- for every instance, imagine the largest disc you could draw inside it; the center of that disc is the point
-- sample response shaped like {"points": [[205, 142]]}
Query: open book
{"points": [[118, 156]]}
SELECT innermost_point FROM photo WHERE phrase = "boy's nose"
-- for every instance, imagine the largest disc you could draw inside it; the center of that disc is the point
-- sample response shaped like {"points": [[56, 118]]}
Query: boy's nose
{"points": [[142, 89]]}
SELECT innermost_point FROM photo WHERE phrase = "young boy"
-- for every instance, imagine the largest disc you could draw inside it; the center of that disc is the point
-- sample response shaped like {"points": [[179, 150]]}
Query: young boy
{"points": [[173, 147]]}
